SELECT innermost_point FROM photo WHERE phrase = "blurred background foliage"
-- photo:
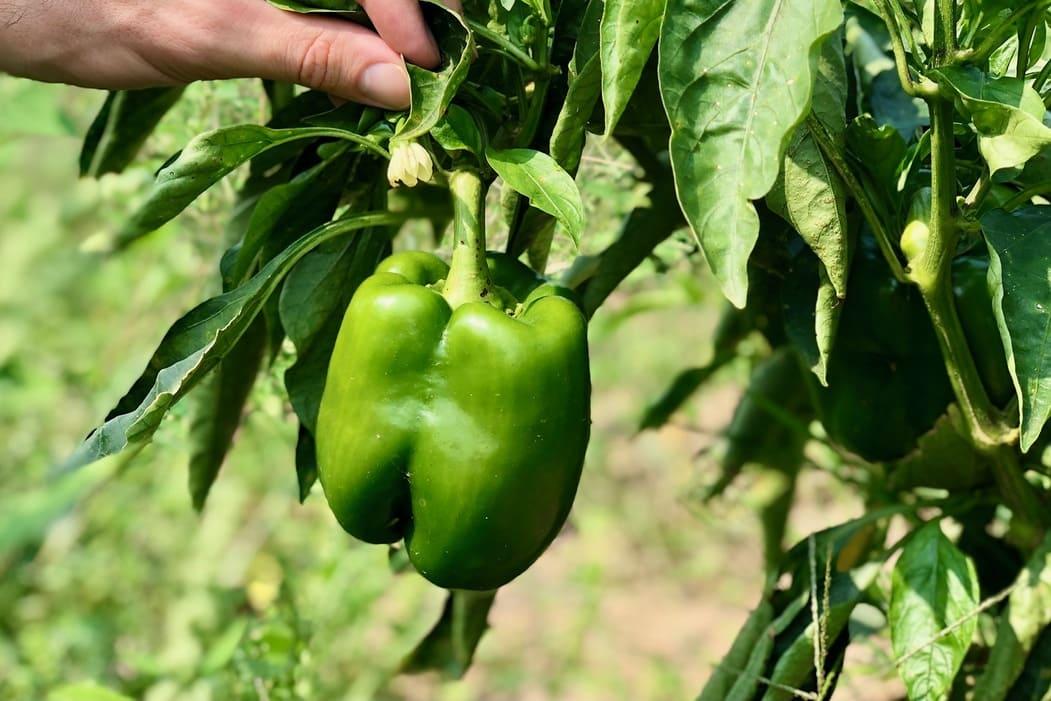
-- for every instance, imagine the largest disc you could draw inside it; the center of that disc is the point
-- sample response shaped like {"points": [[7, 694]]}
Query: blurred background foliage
{"points": [[109, 580]]}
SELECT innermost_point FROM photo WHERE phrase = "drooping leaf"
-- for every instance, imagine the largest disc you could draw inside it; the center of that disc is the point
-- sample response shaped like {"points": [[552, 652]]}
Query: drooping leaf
{"points": [[432, 91], [809, 193], [585, 85], [126, 120], [196, 343], [1019, 250], [1007, 113], [218, 411], [811, 310], [206, 160], [449, 647], [737, 78], [630, 29], [1028, 614], [934, 598], [550, 188], [734, 670]]}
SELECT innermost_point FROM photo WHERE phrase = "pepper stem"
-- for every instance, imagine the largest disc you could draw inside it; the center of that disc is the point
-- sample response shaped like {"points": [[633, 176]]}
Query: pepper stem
{"points": [[468, 279]]}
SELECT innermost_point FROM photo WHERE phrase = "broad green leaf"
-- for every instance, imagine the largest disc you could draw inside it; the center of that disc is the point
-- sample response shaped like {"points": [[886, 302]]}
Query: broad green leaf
{"points": [[1028, 614], [737, 78], [933, 604], [549, 188], [1019, 250], [209, 158], [197, 342], [741, 665], [457, 131], [809, 193], [796, 663], [630, 29], [219, 407], [126, 120], [433, 91], [449, 647], [1007, 113]]}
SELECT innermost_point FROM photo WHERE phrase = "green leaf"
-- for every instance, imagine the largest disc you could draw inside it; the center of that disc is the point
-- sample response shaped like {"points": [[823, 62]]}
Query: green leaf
{"points": [[582, 95], [1019, 250], [796, 663], [457, 131], [1028, 614], [737, 78], [809, 193], [126, 120], [433, 91], [630, 29], [548, 187], [812, 310], [196, 344], [313, 300], [218, 411], [449, 647], [934, 587], [206, 160], [1007, 113], [85, 691], [345, 8], [742, 665], [286, 211]]}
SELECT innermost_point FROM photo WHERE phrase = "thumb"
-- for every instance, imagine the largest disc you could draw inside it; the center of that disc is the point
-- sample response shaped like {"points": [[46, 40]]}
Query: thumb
{"points": [[324, 53]]}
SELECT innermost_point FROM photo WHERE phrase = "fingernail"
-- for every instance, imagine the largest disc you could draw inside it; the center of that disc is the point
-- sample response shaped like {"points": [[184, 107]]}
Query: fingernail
{"points": [[386, 85]]}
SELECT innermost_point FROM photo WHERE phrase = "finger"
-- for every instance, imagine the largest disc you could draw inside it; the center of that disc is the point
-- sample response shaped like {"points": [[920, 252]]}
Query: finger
{"points": [[247, 38], [400, 23]]}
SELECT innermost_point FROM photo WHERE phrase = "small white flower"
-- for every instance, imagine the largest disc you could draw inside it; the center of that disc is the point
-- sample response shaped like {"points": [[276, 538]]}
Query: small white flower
{"points": [[409, 164]]}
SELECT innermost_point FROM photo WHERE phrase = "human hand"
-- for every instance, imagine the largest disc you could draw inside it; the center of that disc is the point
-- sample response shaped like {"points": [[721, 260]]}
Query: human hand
{"points": [[126, 44]]}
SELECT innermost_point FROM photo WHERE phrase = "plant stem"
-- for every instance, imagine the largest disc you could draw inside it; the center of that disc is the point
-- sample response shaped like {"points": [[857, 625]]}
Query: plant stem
{"points": [[1042, 76], [998, 34], [945, 29], [1025, 195], [932, 273], [506, 47], [860, 195], [468, 279], [901, 58], [1025, 41]]}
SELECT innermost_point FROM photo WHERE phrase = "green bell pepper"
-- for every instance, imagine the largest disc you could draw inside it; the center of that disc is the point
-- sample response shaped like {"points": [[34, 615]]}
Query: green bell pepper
{"points": [[456, 414]]}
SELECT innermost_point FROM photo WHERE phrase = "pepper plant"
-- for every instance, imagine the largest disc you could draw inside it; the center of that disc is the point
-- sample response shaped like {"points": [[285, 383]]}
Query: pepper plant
{"points": [[868, 183]]}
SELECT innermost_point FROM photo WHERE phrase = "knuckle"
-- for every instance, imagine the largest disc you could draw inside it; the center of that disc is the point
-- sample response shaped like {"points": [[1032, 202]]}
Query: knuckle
{"points": [[316, 61]]}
